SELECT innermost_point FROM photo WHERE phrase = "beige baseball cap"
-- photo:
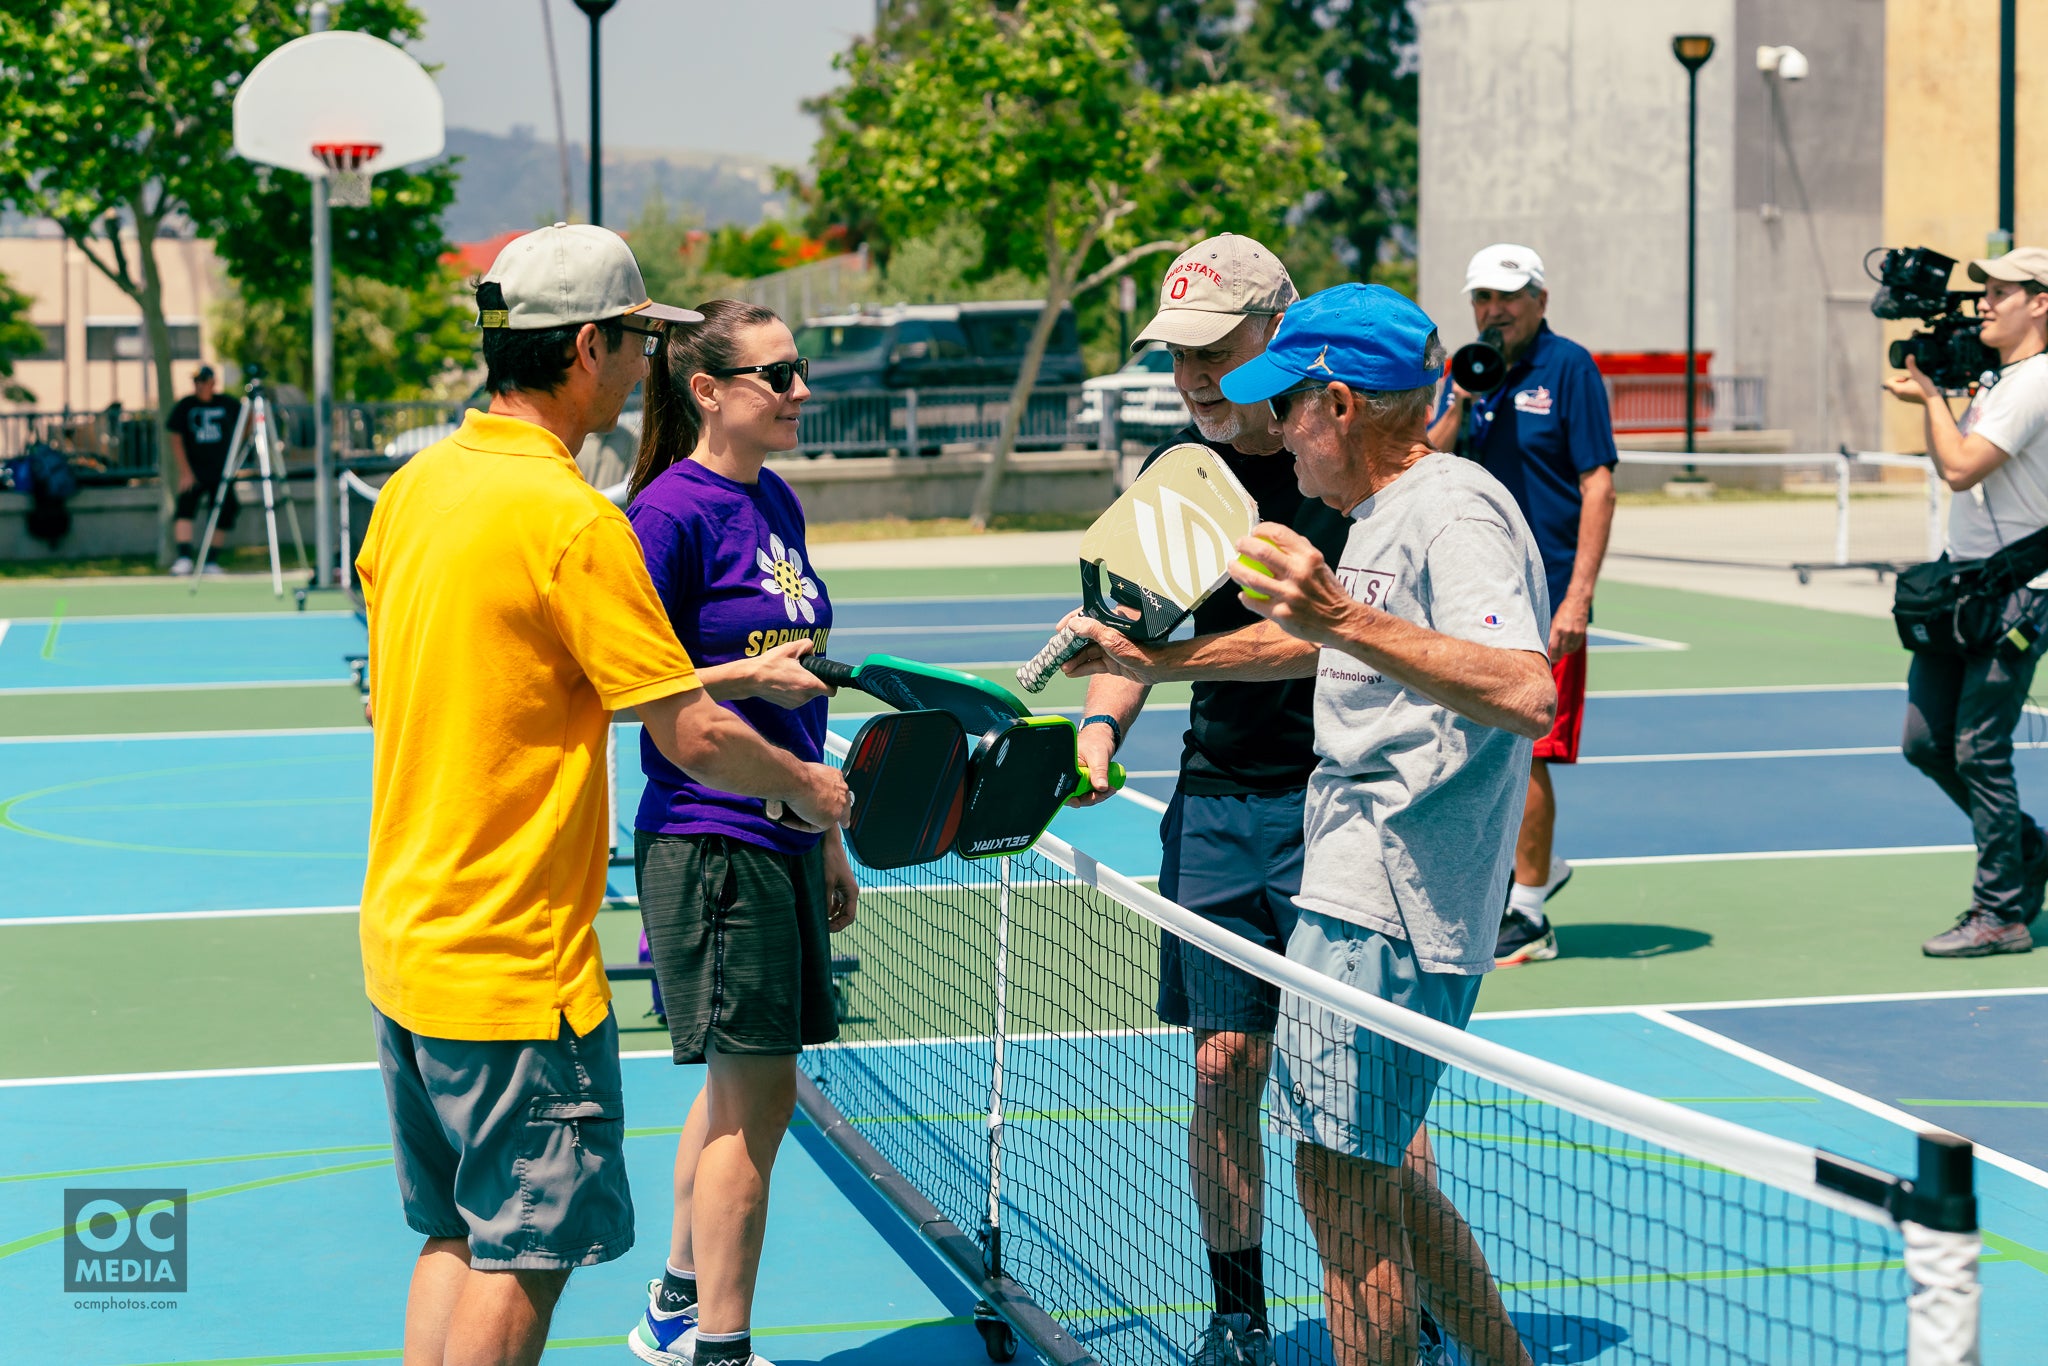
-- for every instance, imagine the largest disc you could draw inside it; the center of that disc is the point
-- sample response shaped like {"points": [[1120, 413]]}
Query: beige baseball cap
{"points": [[1212, 287], [2017, 266], [569, 274]]}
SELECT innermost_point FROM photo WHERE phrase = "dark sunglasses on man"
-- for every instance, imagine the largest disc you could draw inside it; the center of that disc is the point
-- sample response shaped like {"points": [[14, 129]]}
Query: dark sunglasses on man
{"points": [[778, 374], [1281, 402], [650, 339]]}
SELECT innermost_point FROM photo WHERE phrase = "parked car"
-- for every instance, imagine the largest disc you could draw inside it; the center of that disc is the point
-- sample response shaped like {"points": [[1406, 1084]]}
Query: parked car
{"points": [[1148, 402], [936, 346]]}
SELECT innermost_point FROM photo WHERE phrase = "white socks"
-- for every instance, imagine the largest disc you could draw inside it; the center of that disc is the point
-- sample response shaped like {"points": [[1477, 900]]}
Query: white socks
{"points": [[1527, 902]]}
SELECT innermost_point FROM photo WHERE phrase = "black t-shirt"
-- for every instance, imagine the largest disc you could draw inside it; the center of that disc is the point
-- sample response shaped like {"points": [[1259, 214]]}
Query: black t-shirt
{"points": [[206, 424], [1255, 737]]}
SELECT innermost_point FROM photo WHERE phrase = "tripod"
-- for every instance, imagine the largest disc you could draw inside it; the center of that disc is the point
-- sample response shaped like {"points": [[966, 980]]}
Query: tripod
{"points": [[255, 431]]}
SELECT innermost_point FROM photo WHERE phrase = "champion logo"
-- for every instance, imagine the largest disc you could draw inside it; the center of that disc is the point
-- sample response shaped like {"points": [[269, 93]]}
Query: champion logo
{"points": [[1491, 619], [1536, 401]]}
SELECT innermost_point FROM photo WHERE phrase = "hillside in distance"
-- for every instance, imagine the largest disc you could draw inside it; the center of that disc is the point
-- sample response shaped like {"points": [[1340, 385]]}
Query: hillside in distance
{"points": [[513, 181]]}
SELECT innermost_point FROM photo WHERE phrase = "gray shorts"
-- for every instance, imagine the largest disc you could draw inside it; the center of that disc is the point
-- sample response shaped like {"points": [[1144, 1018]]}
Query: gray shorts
{"points": [[516, 1145], [1337, 1084]]}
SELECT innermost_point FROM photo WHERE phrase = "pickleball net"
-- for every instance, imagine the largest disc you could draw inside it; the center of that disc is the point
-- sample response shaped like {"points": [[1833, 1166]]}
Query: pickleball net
{"points": [[1005, 1081]]}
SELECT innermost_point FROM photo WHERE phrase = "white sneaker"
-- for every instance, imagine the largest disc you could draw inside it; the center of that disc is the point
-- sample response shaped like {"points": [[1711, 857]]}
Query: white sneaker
{"points": [[182, 566], [213, 568]]}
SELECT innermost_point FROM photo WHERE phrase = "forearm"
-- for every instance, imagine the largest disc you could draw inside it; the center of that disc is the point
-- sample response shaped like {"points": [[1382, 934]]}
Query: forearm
{"points": [[1945, 444], [1121, 698], [1261, 653], [180, 463], [1596, 524], [721, 751], [1507, 689], [732, 682], [1443, 433]]}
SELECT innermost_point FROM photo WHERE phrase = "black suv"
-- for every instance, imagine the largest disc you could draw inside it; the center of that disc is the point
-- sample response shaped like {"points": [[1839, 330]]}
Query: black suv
{"points": [[935, 346]]}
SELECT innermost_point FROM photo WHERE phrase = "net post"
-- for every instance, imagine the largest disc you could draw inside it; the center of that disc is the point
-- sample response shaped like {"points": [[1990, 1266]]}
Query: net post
{"points": [[1939, 1221], [1842, 509], [992, 1220]]}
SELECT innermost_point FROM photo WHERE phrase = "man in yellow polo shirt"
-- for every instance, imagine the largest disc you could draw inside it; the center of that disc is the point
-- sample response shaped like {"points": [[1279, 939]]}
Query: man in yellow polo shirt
{"points": [[510, 615]]}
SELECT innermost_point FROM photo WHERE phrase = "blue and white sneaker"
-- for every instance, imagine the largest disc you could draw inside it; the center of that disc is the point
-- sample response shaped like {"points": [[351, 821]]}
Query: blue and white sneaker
{"points": [[663, 1339], [686, 1346]]}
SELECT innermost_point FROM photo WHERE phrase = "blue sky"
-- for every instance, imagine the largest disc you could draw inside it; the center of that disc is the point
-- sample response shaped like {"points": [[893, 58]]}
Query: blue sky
{"points": [[703, 75]]}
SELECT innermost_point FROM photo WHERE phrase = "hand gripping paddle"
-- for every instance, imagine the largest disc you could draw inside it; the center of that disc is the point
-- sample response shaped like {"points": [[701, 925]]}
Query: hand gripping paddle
{"points": [[1165, 546], [1020, 768]]}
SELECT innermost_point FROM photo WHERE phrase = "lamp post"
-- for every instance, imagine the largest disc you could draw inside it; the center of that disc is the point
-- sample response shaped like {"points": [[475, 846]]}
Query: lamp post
{"points": [[595, 10], [2008, 32], [1692, 51]]}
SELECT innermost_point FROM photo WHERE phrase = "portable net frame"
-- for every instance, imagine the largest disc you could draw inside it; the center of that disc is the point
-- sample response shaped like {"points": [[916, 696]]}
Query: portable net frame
{"points": [[1005, 1082], [348, 182]]}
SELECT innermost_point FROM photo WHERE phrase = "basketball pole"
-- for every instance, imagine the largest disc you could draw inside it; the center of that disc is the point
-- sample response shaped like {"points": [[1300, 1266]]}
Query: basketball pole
{"points": [[323, 367]]}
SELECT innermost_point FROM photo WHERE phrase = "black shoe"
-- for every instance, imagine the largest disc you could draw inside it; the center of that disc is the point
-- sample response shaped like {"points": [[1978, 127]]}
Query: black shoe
{"points": [[1523, 941], [2034, 881]]}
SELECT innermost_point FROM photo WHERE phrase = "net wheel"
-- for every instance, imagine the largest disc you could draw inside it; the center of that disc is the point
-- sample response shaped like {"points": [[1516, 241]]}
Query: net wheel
{"points": [[999, 1338]]}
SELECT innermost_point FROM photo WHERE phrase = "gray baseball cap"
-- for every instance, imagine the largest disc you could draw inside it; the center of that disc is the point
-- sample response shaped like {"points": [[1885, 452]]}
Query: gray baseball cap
{"points": [[1212, 287], [569, 274]]}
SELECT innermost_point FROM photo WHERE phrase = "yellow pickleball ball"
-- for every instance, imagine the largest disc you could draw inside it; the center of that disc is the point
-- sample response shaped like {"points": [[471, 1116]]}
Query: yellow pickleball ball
{"points": [[1266, 569]]}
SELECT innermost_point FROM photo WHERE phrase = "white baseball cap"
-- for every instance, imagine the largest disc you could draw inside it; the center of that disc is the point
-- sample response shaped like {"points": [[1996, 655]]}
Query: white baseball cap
{"points": [[569, 274], [1212, 287], [1504, 267]]}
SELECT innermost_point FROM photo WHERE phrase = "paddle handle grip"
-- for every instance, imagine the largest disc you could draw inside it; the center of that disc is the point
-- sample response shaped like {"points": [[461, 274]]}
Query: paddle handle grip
{"points": [[1038, 672], [830, 671]]}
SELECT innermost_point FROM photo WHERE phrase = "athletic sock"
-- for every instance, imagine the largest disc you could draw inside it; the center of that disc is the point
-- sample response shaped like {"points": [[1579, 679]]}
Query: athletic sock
{"points": [[1240, 1279], [724, 1347], [678, 1291], [184, 549], [1527, 902]]}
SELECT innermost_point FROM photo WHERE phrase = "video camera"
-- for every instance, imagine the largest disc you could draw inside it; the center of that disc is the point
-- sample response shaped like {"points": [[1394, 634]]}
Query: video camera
{"points": [[1913, 283]]}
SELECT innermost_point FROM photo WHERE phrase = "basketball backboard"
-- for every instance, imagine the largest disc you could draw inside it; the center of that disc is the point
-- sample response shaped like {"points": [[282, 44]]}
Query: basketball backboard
{"points": [[338, 87]]}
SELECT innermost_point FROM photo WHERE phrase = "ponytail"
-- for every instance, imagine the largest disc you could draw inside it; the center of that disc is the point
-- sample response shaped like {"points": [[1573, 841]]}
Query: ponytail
{"points": [[671, 423]]}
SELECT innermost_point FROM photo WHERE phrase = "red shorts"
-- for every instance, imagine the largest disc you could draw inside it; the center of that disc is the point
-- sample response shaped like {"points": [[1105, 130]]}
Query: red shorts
{"points": [[1561, 746]]}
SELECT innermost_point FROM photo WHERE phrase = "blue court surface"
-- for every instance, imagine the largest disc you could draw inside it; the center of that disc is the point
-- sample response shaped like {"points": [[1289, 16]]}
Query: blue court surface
{"points": [[290, 1185], [278, 820], [69, 655]]}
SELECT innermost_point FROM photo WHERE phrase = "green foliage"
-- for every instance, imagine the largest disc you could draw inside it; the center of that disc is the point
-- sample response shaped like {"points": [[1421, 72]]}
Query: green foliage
{"points": [[18, 338], [944, 266], [391, 342]]}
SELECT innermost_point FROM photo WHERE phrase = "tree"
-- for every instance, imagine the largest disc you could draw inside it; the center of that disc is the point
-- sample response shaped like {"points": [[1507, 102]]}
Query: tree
{"points": [[391, 343], [18, 338], [119, 117], [1033, 123]]}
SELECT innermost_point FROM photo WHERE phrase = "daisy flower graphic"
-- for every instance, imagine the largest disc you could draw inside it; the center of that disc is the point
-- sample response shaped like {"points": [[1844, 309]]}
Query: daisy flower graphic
{"points": [[785, 571]]}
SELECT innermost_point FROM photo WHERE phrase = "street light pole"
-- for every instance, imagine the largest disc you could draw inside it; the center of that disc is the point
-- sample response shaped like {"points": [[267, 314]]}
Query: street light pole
{"points": [[2008, 34], [595, 10], [1692, 51]]}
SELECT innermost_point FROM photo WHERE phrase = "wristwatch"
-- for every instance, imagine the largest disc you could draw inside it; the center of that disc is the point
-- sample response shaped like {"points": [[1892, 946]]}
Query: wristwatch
{"points": [[1116, 732]]}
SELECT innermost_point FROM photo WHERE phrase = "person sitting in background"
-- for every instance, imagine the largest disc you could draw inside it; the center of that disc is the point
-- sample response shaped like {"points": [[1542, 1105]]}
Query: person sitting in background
{"points": [[1961, 711]]}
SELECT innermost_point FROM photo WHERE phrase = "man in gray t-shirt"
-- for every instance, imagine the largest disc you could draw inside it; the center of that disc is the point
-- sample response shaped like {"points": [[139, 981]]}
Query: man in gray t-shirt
{"points": [[1431, 687]]}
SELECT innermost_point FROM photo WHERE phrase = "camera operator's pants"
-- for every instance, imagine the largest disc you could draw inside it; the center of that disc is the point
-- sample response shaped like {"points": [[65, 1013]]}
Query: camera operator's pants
{"points": [[1960, 717]]}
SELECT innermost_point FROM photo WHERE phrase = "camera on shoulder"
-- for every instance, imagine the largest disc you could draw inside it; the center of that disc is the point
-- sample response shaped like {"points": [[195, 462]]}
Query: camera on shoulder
{"points": [[1913, 283]]}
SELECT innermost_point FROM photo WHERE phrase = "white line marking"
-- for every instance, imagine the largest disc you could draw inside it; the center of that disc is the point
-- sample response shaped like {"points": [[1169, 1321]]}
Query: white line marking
{"points": [[1636, 642], [1745, 855], [145, 618], [1815, 1082], [1758, 690], [4, 624], [342, 682], [997, 627], [11, 922], [1761, 1003], [180, 735], [200, 1074], [1843, 752], [1137, 798], [963, 597]]}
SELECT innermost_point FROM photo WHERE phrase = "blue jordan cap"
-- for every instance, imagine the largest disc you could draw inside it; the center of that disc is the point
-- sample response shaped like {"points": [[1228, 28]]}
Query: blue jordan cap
{"points": [[1368, 336]]}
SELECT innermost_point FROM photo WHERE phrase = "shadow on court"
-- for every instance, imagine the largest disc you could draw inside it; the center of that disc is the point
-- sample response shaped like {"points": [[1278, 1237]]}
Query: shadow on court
{"points": [[1554, 1339], [1628, 941]]}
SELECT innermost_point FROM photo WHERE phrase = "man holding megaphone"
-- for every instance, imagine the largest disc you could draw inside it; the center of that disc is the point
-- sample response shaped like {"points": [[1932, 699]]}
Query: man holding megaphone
{"points": [[1531, 407]]}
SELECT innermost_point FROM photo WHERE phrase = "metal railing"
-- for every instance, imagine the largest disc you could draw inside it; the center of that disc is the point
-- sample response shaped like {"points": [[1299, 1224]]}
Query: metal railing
{"points": [[924, 422], [1656, 403]]}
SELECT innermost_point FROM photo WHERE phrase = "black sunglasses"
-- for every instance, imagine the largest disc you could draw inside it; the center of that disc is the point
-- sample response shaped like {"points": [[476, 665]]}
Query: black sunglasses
{"points": [[650, 338], [779, 374], [1284, 400]]}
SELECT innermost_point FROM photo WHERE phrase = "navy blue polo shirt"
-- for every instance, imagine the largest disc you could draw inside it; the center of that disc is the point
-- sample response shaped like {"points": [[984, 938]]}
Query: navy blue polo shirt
{"points": [[1545, 426]]}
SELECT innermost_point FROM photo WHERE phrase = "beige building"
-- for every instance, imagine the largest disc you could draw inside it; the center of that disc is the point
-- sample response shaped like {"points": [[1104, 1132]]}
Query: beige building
{"points": [[93, 352]]}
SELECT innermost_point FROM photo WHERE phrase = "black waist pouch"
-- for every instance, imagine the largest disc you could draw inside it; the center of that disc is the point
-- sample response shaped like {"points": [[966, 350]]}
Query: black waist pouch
{"points": [[1959, 607]]}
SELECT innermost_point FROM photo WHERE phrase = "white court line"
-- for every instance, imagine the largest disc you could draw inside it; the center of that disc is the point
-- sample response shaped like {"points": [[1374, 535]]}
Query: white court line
{"points": [[11, 922], [180, 735], [343, 681], [266, 615], [1756, 690], [963, 597], [1762, 1003], [1747, 855], [1017, 627], [1136, 798], [199, 1074], [1634, 641], [1707, 756], [4, 624], [1813, 1081]]}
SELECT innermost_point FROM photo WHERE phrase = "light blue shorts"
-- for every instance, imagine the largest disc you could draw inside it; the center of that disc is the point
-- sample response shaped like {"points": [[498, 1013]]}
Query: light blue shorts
{"points": [[1337, 1084]]}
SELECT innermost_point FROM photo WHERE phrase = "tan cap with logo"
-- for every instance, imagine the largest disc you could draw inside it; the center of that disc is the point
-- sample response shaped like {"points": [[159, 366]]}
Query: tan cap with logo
{"points": [[1213, 286], [2017, 266], [569, 274]]}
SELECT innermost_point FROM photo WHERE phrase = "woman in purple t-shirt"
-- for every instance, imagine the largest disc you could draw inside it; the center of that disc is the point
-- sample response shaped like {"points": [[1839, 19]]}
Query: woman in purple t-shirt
{"points": [[738, 907]]}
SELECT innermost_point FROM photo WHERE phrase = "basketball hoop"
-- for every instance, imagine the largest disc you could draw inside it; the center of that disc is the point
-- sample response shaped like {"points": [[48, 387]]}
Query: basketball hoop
{"points": [[348, 180]]}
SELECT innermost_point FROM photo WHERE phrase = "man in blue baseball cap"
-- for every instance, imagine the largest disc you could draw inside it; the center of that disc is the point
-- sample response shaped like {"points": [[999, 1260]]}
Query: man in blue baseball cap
{"points": [[1426, 642]]}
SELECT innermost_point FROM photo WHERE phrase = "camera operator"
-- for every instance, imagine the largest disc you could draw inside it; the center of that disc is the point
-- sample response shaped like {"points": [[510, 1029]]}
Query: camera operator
{"points": [[1961, 709]]}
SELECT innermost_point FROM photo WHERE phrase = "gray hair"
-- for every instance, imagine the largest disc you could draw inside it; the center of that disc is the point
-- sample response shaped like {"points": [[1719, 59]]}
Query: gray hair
{"points": [[1399, 409]]}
